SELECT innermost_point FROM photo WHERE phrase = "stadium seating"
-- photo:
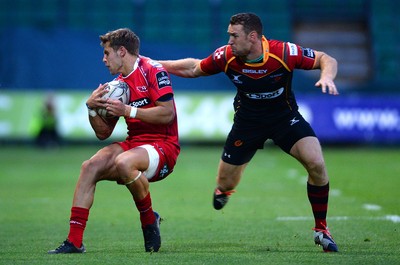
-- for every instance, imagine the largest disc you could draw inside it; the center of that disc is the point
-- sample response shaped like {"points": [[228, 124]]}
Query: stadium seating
{"points": [[202, 24]]}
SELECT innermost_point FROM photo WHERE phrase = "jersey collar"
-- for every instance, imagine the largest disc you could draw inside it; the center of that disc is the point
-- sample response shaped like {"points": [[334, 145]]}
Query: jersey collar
{"points": [[265, 47]]}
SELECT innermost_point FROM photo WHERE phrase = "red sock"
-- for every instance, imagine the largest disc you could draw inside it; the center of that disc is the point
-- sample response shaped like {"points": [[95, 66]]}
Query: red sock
{"points": [[318, 197], [77, 225], [147, 216]]}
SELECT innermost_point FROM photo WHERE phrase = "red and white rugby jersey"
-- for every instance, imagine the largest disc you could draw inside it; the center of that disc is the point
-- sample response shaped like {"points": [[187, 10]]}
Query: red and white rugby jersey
{"points": [[148, 82]]}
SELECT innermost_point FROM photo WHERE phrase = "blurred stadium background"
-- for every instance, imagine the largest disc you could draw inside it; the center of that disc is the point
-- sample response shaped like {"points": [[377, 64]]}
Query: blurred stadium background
{"points": [[50, 50]]}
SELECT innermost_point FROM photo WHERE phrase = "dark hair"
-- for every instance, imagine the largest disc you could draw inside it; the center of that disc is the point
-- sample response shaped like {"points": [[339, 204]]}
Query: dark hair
{"points": [[250, 21], [122, 37]]}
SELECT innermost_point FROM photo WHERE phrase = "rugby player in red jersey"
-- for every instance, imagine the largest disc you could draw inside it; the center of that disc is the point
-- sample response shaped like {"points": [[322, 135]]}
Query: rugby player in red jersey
{"points": [[265, 108], [150, 150]]}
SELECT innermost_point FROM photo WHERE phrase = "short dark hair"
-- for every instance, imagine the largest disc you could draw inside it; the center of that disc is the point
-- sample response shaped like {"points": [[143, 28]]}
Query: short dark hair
{"points": [[249, 21], [122, 37]]}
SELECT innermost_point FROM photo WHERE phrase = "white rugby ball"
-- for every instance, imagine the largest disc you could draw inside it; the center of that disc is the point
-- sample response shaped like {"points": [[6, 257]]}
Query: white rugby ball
{"points": [[116, 89]]}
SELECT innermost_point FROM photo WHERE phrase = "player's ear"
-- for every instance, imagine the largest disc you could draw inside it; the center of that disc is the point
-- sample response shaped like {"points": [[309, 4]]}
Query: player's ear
{"points": [[253, 35], [121, 51]]}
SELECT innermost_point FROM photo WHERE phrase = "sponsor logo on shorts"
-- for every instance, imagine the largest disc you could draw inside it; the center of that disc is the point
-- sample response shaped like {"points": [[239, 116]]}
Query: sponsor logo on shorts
{"points": [[163, 79], [227, 155], [266, 95], [164, 171], [293, 121], [140, 102]]}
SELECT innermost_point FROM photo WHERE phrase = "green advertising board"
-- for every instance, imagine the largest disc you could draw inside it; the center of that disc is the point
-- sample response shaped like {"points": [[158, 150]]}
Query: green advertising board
{"points": [[200, 116]]}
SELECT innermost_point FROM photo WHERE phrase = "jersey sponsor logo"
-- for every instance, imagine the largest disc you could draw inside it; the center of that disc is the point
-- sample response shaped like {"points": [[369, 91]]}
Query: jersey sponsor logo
{"points": [[267, 95], [276, 77], [307, 52], [163, 79], [292, 49], [236, 80], [253, 71], [140, 102]]}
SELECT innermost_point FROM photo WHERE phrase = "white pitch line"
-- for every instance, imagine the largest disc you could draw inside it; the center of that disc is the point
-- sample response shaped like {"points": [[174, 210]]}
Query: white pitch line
{"points": [[293, 173], [372, 207], [392, 218]]}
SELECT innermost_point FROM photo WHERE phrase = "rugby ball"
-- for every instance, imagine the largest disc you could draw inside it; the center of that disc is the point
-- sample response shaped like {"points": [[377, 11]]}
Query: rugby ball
{"points": [[116, 89]]}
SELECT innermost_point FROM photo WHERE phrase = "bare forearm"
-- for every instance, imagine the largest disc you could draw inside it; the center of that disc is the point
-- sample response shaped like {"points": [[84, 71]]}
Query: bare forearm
{"points": [[162, 113], [101, 127], [188, 67], [156, 115], [328, 66]]}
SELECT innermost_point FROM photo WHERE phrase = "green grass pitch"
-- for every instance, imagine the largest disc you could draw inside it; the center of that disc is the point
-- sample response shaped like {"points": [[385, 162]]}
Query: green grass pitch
{"points": [[267, 221]]}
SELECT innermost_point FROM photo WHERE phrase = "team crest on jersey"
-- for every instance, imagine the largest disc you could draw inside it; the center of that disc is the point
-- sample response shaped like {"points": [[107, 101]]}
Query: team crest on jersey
{"points": [[276, 77], [141, 88], [163, 79], [218, 55]]}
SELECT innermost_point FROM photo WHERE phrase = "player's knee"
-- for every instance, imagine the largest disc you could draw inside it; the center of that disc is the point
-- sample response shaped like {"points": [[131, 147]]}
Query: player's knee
{"points": [[121, 165], [128, 179], [88, 165], [316, 169], [123, 180], [316, 165]]}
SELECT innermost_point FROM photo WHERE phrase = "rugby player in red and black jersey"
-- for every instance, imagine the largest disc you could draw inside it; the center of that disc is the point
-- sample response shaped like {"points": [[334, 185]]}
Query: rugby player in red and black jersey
{"points": [[149, 152], [265, 108]]}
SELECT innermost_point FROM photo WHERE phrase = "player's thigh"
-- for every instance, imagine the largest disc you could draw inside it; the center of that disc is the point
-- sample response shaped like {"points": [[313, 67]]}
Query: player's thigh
{"points": [[101, 165], [308, 151], [133, 159]]}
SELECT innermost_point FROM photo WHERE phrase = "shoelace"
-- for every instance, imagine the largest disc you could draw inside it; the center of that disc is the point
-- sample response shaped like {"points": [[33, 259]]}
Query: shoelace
{"points": [[324, 231], [62, 246], [227, 193]]}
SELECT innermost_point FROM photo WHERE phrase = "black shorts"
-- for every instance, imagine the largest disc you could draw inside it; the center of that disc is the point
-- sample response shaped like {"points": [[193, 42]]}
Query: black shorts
{"points": [[245, 138]]}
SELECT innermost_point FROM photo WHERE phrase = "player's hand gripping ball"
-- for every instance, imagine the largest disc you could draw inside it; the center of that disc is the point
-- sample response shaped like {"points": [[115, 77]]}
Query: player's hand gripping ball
{"points": [[116, 89]]}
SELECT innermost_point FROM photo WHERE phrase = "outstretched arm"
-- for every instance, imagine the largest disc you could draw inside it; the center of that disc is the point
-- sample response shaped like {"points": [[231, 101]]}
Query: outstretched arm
{"points": [[188, 67], [328, 66]]}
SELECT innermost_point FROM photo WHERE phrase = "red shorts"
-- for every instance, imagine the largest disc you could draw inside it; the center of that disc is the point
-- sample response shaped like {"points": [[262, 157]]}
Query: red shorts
{"points": [[168, 155]]}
